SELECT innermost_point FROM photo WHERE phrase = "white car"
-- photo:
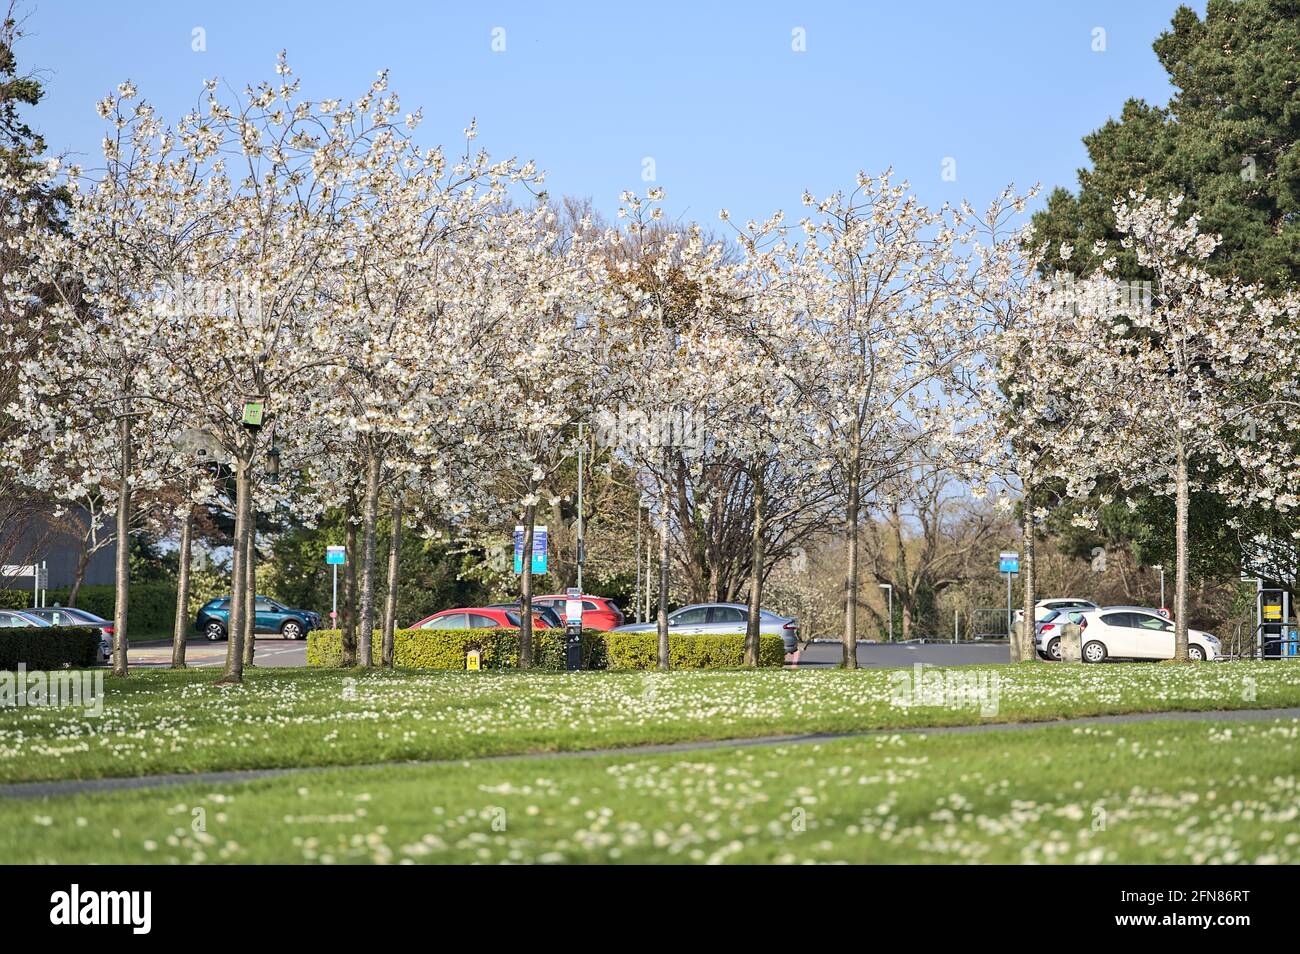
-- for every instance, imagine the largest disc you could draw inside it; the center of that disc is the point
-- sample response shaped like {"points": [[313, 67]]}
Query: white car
{"points": [[1043, 607], [1130, 632]]}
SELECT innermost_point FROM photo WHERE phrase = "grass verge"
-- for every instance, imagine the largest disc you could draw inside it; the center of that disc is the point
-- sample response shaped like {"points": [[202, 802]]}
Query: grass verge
{"points": [[158, 721], [1178, 792]]}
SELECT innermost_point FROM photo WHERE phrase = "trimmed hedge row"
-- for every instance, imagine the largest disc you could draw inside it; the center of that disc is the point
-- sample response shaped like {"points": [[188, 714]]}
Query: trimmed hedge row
{"points": [[446, 648], [152, 610], [49, 647], [499, 649], [641, 651]]}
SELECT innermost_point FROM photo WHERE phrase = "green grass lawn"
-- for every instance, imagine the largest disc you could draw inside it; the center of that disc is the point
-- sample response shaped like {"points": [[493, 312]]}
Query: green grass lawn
{"points": [[1171, 792], [162, 722]]}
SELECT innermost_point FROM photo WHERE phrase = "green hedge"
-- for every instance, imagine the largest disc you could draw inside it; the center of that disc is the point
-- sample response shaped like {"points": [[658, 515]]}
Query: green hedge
{"points": [[49, 647], [446, 648], [641, 651], [152, 609]]}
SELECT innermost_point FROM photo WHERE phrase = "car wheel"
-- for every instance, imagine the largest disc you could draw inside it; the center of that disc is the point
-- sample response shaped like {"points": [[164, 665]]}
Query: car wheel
{"points": [[214, 631], [1196, 654], [291, 630], [1054, 649], [1094, 652]]}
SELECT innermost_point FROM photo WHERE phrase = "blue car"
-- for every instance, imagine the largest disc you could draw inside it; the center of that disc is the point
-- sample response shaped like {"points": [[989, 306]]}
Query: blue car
{"points": [[272, 617]]}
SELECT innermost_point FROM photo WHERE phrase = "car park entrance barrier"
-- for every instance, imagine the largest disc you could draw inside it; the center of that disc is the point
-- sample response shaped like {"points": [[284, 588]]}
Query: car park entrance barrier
{"points": [[1275, 634]]}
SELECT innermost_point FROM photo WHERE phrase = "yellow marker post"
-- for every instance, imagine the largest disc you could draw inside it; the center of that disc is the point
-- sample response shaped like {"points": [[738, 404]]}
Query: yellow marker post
{"points": [[472, 659]]}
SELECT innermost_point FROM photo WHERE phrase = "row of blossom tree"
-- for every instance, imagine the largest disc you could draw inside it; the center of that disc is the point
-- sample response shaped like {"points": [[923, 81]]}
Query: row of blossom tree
{"points": [[424, 330]]}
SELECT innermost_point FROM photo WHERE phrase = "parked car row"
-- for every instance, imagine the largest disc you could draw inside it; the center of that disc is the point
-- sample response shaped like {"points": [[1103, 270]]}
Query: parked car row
{"points": [[1120, 632], [602, 614], [49, 616], [548, 612]]}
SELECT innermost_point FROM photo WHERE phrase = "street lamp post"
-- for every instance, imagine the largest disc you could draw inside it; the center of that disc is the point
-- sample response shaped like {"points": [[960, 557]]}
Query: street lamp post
{"points": [[890, 588], [1161, 569]]}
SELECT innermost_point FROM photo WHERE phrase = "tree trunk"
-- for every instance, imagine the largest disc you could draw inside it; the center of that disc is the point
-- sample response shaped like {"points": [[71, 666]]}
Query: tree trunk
{"points": [[348, 613], [83, 561], [526, 589], [661, 617], [234, 671], [390, 603], [1023, 651], [850, 658], [181, 630], [753, 620], [1180, 558], [369, 518], [250, 593], [122, 573]]}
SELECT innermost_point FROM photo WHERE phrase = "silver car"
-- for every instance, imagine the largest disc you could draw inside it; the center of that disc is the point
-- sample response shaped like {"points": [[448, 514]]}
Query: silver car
{"points": [[720, 618], [1047, 634]]}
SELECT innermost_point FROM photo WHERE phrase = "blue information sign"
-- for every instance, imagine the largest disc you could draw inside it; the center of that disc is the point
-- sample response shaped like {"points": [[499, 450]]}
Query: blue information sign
{"points": [[539, 549], [1009, 563]]}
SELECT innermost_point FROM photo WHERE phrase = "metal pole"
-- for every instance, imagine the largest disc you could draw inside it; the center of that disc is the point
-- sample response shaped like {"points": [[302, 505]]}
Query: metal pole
{"points": [[1162, 587], [581, 554], [891, 613], [955, 634], [334, 616], [1010, 620]]}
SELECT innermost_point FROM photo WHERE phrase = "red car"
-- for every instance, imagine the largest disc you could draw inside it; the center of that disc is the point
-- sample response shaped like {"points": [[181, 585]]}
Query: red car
{"points": [[597, 612], [475, 617]]}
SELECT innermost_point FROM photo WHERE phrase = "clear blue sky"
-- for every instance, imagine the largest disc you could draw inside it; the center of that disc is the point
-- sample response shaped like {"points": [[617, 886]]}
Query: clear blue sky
{"points": [[714, 93]]}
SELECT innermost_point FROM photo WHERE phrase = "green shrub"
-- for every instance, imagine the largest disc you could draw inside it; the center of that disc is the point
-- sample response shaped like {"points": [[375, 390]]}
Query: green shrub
{"points": [[446, 648], [499, 649], [49, 647], [726, 651], [152, 608]]}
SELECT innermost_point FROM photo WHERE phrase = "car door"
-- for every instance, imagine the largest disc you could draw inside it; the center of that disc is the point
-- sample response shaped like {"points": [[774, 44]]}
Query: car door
{"points": [[725, 619], [1118, 633], [690, 621], [1153, 637], [266, 616]]}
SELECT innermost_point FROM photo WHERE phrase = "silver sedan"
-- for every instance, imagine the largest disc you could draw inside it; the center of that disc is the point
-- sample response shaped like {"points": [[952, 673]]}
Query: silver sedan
{"points": [[722, 618]]}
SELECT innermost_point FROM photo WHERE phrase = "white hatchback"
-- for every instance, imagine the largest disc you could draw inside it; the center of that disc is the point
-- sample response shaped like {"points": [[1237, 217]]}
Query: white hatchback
{"points": [[1136, 632]]}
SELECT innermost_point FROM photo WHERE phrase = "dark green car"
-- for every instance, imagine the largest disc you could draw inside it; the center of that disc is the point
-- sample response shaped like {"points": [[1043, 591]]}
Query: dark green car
{"points": [[272, 617]]}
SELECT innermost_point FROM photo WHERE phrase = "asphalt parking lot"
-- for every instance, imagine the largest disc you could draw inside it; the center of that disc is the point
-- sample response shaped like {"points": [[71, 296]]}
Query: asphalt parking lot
{"points": [[891, 655], [200, 653], [273, 651]]}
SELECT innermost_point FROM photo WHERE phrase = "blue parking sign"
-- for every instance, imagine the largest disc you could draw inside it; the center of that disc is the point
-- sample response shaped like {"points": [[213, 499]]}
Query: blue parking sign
{"points": [[1008, 562]]}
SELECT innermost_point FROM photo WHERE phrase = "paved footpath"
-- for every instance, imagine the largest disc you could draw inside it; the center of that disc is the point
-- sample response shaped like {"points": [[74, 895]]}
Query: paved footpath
{"points": [[85, 786]]}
